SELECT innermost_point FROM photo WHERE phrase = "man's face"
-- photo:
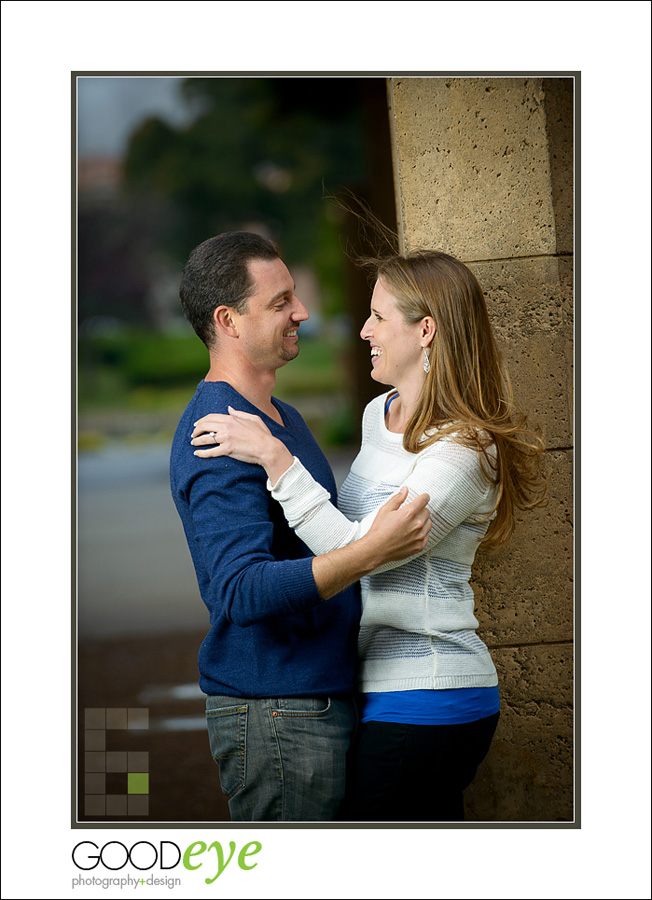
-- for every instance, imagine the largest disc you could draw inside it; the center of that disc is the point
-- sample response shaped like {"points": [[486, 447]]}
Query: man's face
{"points": [[268, 329]]}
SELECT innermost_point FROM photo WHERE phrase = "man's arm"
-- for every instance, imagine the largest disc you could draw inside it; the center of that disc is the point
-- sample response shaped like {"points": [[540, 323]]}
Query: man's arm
{"points": [[234, 532], [246, 576]]}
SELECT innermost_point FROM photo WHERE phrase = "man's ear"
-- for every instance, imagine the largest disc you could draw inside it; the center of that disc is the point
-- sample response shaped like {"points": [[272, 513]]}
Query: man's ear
{"points": [[226, 321]]}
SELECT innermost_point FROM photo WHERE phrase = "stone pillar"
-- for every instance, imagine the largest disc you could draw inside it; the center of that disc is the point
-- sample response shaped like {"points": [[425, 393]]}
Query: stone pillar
{"points": [[484, 171]]}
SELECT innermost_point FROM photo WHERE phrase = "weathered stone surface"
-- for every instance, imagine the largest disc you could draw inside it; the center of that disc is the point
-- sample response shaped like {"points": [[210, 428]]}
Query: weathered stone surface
{"points": [[472, 161], [528, 774], [530, 304], [527, 297], [558, 103], [541, 372], [484, 172], [524, 593]]}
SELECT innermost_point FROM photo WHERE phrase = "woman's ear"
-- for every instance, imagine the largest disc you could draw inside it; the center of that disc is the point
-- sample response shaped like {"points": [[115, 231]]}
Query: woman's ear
{"points": [[225, 319], [428, 331]]}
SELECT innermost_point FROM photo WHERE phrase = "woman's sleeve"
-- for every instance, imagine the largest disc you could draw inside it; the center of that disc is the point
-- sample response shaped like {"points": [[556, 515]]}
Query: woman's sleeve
{"points": [[307, 507], [450, 473]]}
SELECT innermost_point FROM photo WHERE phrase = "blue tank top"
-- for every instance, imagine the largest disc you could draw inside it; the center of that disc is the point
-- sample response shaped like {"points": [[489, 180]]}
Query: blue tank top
{"points": [[445, 707], [389, 401]]}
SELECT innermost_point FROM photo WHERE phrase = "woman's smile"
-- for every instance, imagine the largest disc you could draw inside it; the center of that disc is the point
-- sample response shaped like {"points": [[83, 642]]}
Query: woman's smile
{"points": [[394, 343]]}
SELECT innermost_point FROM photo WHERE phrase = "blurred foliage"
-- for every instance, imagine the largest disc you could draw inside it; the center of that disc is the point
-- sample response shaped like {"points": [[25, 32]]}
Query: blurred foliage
{"points": [[261, 154], [133, 384], [131, 368], [145, 357], [261, 150]]}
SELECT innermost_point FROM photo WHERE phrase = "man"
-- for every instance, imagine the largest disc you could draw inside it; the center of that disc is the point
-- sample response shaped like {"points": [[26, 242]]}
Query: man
{"points": [[278, 662]]}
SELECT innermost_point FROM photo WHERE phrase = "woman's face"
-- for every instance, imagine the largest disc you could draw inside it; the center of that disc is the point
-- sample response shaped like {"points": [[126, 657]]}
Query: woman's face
{"points": [[396, 351]]}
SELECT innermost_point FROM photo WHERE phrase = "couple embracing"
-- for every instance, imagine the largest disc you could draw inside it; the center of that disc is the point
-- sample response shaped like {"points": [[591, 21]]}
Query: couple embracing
{"points": [[343, 673]]}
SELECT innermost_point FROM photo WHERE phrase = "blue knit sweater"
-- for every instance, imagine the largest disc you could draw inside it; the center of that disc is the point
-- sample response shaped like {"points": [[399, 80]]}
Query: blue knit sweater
{"points": [[271, 633]]}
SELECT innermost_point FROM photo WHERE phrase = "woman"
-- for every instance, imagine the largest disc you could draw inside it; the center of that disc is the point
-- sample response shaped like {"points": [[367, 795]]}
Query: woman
{"points": [[449, 428]]}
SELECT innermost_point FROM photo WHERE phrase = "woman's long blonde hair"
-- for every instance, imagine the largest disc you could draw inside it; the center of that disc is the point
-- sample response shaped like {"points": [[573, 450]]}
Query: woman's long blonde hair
{"points": [[467, 390]]}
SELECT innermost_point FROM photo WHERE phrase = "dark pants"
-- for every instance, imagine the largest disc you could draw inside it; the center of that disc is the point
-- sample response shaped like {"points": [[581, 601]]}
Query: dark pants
{"points": [[416, 773]]}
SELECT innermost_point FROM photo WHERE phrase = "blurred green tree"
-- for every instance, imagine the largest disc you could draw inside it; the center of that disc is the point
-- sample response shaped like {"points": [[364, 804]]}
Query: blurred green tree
{"points": [[261, 153], [261, 150]]}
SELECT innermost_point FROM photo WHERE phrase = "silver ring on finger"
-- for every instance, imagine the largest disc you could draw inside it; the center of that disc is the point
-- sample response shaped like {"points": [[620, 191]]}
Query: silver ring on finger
{"points": [[213, 438]]}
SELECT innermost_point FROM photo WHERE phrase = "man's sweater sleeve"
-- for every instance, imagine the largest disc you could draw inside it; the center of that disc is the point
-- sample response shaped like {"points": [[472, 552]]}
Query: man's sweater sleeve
{"points": [[233, 532]]}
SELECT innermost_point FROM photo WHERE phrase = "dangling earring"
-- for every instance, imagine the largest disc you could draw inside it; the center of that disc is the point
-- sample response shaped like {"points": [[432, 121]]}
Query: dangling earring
{"points": [[426, 361]]}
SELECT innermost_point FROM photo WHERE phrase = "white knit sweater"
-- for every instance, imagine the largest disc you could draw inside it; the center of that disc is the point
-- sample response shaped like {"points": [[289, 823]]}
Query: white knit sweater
{"points": [[418, 627]]}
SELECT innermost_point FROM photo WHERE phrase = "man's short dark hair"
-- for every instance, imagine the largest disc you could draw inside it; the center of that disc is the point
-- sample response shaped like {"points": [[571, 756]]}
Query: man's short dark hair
{"points": [[217, 274]]}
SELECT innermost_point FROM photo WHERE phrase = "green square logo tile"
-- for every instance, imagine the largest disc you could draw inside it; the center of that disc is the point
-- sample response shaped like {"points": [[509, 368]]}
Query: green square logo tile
{"points": [[107, 773], [137, 783]]}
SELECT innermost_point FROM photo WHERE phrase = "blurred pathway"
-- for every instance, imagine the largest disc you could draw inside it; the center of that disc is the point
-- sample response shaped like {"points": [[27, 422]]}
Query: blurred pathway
{"points": [[141, 622], [135, 575]]}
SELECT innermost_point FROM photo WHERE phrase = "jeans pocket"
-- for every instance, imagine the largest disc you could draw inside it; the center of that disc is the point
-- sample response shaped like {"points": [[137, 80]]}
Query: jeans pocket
{"points": [[304, 707], [227, 733]]}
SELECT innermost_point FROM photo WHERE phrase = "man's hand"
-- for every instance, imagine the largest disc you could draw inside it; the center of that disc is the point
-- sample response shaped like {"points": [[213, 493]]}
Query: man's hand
{"points": [[400, 529]]}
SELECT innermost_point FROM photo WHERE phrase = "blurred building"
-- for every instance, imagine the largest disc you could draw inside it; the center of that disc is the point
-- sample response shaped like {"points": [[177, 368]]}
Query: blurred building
{"points": [[99, 178]]}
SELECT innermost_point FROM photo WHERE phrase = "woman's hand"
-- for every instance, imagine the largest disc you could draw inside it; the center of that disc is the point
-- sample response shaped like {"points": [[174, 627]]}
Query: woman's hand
{"points": [[400, 529], [241, 436]]}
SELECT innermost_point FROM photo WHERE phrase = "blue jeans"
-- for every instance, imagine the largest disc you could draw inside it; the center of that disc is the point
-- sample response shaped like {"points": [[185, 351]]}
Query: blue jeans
{"points": [[281, 759]]}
